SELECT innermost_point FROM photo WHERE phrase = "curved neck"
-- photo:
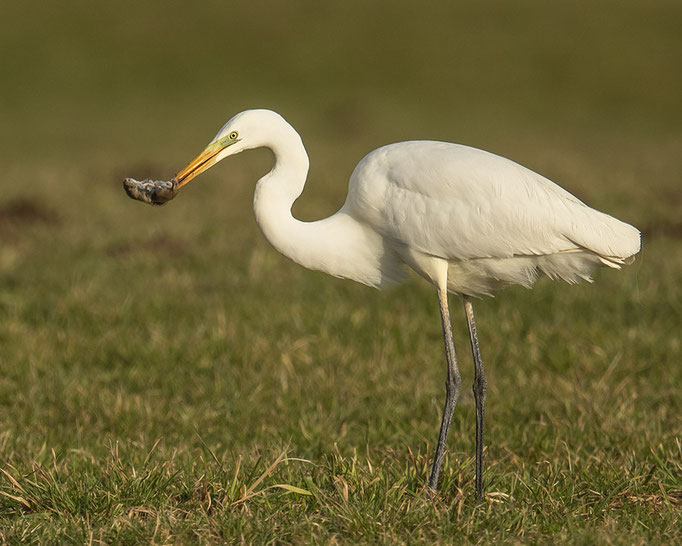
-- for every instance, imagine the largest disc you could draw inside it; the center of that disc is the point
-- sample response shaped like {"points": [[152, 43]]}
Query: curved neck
{"points": [[276, 192], [291, 163], [338, 245]]}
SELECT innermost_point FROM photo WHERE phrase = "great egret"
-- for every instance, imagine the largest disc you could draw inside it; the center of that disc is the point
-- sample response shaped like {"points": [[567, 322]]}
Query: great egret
{"points": [[466, 220]]}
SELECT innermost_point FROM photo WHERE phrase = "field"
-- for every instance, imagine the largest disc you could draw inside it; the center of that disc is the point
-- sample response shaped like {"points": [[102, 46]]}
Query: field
{"points": [[167, 377]]}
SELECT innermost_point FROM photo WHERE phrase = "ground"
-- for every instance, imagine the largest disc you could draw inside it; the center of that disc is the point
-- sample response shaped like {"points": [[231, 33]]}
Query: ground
{"points": [[166, 376]]}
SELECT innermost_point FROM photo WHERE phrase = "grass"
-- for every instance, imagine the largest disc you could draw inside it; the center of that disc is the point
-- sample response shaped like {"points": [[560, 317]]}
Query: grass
{"points": [[165, 376]]}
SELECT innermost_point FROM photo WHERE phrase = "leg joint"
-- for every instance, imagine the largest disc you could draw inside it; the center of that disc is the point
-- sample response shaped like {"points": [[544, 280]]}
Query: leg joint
{"points": [[480, 382], [454, 381]]}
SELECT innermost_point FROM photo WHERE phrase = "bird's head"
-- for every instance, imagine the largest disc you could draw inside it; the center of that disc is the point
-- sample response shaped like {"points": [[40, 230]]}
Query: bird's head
{"points": [[246, 130]]}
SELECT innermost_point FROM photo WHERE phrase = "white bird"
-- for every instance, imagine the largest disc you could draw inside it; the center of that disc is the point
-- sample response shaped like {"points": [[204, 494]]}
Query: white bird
{"points": [[466, 220]]}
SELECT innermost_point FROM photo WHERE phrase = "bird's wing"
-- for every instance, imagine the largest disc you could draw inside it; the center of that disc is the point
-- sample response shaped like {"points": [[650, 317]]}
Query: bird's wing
{"points": [[461, 203]]}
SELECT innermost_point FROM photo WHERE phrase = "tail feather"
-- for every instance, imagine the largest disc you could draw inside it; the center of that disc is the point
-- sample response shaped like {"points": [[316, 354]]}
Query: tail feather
{"points": [[615, 242]]}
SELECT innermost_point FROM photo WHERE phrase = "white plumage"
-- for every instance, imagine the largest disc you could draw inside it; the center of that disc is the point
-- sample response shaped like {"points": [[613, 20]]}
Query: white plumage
{"points": [[491, 220], [467, 220], [494, 221]]}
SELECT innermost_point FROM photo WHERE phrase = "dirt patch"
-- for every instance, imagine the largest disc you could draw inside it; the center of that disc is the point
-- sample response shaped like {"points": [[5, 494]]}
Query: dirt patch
{"points": [[21, 212], [159, 245], [27, 211]]}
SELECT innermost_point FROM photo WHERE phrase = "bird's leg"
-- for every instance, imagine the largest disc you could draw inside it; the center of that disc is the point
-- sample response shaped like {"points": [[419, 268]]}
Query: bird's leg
{"points": [[451, 388], [480, 387]]}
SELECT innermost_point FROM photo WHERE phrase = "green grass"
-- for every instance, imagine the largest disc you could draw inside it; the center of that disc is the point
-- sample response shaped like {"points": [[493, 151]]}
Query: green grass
{"points": [[166, 376]]}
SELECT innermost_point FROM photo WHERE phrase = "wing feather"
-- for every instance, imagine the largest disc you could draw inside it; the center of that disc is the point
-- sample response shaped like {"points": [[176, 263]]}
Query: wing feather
{"points": [[461, 203]]}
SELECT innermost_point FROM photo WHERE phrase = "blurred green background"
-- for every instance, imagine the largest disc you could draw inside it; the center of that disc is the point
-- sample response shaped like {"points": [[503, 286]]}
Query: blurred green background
{"points": [[121, 325]]}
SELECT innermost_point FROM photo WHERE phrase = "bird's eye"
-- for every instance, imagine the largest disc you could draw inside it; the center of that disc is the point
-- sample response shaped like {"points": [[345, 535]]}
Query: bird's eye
{"points": [[233, 135]]}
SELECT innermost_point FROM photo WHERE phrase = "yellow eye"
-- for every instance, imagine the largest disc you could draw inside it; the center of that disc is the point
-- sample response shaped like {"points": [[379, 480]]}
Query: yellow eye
{"points": [[233, 135]]}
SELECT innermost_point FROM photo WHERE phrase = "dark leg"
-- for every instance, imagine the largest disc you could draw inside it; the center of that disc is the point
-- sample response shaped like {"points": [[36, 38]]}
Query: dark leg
{"points": [[451, 388], [480, 387]]}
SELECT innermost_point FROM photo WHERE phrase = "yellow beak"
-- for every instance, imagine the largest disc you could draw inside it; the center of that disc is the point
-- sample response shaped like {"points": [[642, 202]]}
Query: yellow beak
{"points": [[205, 160], [158, 192]]}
